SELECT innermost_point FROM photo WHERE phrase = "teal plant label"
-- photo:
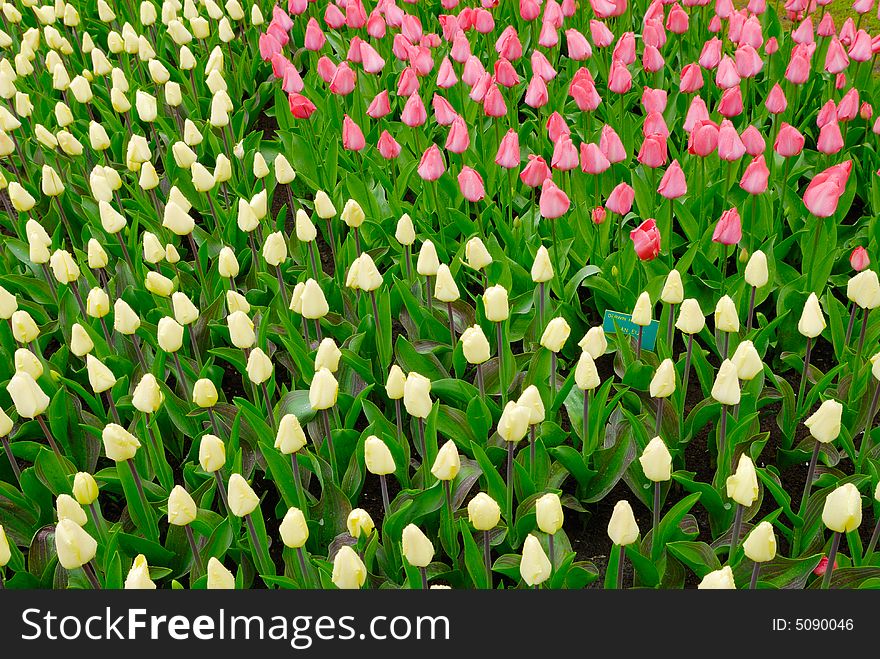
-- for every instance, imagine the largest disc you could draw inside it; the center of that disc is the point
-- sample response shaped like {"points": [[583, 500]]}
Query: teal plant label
{"points": [[617, 320]]}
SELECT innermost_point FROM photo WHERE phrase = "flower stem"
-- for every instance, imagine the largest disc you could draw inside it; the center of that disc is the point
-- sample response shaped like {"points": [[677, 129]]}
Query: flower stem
{"points": [[734, 533], [756, 570], [262, 552], [751, 309], [586, 427], [487, 557], [297, 479], [510, 484], [424, 572], [386, 504], [502, 385], [655, 538], [810, 473], [194, 548], [50, 439], [89, 569], [803, 384], [451, 324], [221, 488], [832, 555], [329, 436], [12, 461]]}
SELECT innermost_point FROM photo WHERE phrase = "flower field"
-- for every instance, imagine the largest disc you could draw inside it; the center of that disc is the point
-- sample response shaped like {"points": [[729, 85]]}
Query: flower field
{"points": [[353, 294]]}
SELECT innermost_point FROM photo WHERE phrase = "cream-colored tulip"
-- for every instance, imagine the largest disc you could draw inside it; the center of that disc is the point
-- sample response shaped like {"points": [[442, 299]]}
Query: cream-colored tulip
{"points": [[241, 330], [718, 580], [475, 345], [555, 334], [158, 284], [349, 571], [445, 288], [843, 509], [514, 422], [323, 390], [447, 463], [742, 486], [417, 547], [726, 317], [27, 362], [726, 389], [359, 523], [548, 513], [586, 375], [495, 304], [534, 566], [169, 334], [673, 289], [428, 262], [476, 255], [353, 214], [690, 317], [119, 444], [323, 206], [212, 453], [622, 527], [259, 366], [484, 513], [417, 395], [542, 268], [531, 398], [756, 273], [396, 383], [747, 361], [73, 545], [663, 382], [824, 423], [405, 232], [290, 437], [242, 499], [377, 457], [182, 508], [594, 342], [85, 489], [101, 378], [28, 398], [811, 322], [293, 529], [864, 289], [641, 314], [760, 544], [656, 461], [66, 507], [219, 578]]}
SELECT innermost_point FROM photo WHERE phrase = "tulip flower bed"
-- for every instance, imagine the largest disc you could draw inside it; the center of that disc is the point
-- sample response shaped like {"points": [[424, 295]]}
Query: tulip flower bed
{"points": [[380, 295]]}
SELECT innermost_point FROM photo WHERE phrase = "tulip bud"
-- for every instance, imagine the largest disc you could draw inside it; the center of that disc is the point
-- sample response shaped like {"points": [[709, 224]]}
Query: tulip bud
{"points": [[594, 342], [586, 376], [756, 273], [73, 545], [275, 249], [484, 513], [405, 233], [495, 304], [182, 509], [305, 230], [475, 345], [673, 290], [293, 529], [212, 453], [378, 457], [663, 382], [476, 255], [864, 289], [353, 214], [158, 284], [125, 320], [742, 486], [395, 384], [514, 422], [24, 329], [656, 461], [747, 361], [85, 489], [64, 267], [428, 262], [97, 303], [548, 511], [227, 264], [284, 173], [641, 314], [531, 399], [28, 398], [368, 277], [843, 509], [170, 334], [241, 330], [177, 220], [139, 575], [534, 567], [242, 499], [154, 250], [726, 317], [622, 527], [447, 463], [359, 523], [314, 304], [349, 571], [824, 423], [27, 362], [555, 334], [290, 437], [417, 548], [323, 206], [690, 317], [185, 312], [219, 578], [327, 355], [323, 390], [235, 301], [718, 580], [8, 304], [5, 553], [445, 289], [119, 444], [812, 322], [760, 544], [66, 507], [259, 366], [417, 395], [542, 269], [101, 378], [726, 387]]}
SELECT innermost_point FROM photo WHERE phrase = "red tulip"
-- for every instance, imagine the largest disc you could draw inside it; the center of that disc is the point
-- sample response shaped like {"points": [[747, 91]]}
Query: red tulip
{"points": [[825, 190], [728, 231], [673, 184], [859, 259], [646, 240], [431, 166], [822, 567], [553, 202]]}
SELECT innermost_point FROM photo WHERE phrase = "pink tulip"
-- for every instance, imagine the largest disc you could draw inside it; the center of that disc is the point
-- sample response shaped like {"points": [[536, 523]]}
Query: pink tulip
{"points": [[508, 45], [827, 113], [673, 184], [860, 50], [478, 91], [578, 47], [753, 141], [836, 59], [748, 61], [677, 21], [789, 141], [600, 34], [355, 14], [755, 177], [652, 60], [696, 113], [655, 124], [553, 202], [536, 93], [484, 23], [354, 50], [703, 139], [859, 259], [471, 185], [803, 33], [493, 102], [446, 77], [611, 145], [776, 102], [691, 79], [444, 114], [730, 145], [585, 95], [731, 104], [565, 155], [458, 139], [654, 100], [314, 38], [343, 81], [772, 45], [556, 127], [751, 31], [825, 190], [431, 166], [727, 75], [414, 113], [300, 106], [593, 161], [461, 49], [646, 240], [376, 26], [598, 215], [529, 10], [619, 78], [822, 567], [798, 70], [380, 106], [710, 57], [541, 66], [830, 138], [333, 17], [505, 74], [621, 199], [849, 106], [388, 146], [508, 151], [866, 111], [535, 172], [297, 7], [653, 151], [352, 136], [411, 27], [728, 231]]}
